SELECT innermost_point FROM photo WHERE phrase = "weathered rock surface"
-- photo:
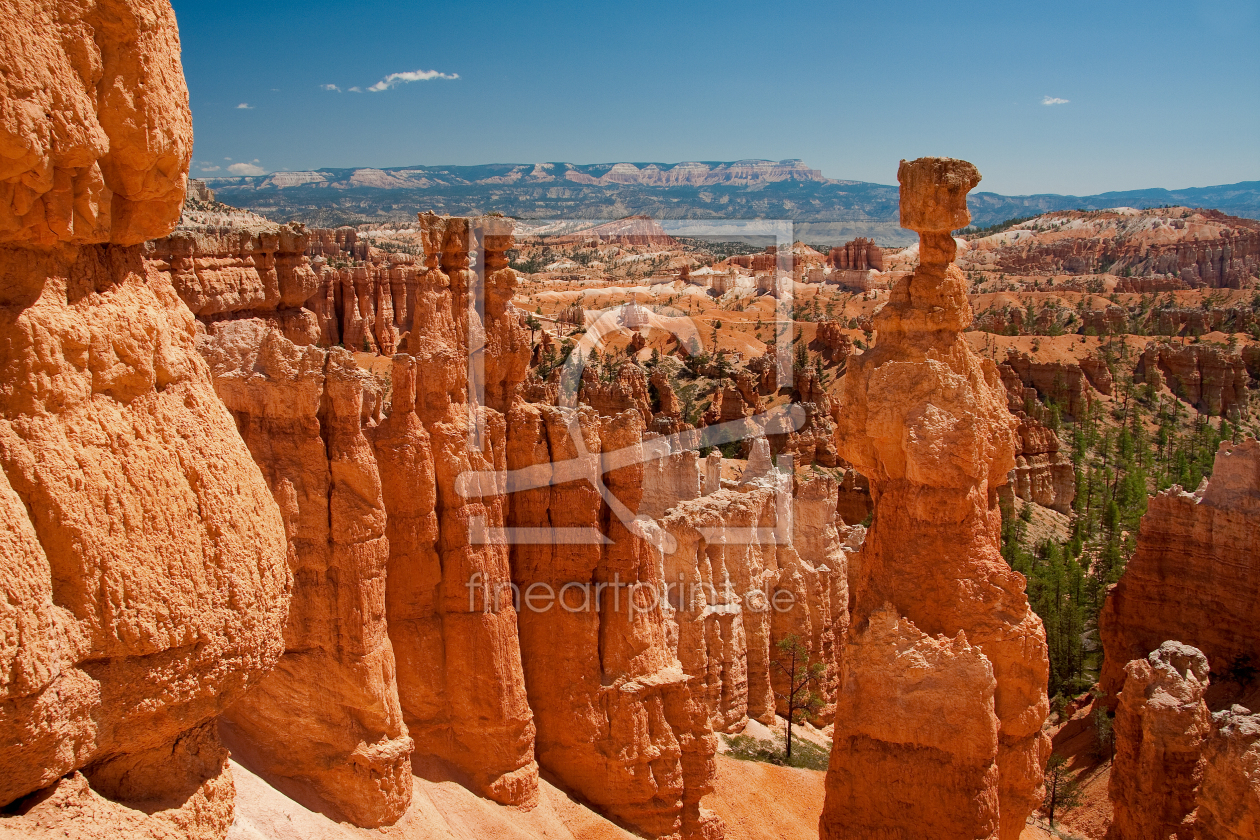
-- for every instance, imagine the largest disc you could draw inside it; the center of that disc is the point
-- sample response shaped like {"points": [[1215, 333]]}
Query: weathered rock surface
{"points": [[1160, 727], [1043, 474], [143, 572], [1194, 577], [95, 130], [1229, 794], [1208, 377], [834, 343], [750, 566], [617, 719], [926, 421], [223, 262], [331, 702], [858, 255], [1065, 384], [365, 455], [922, 729]]}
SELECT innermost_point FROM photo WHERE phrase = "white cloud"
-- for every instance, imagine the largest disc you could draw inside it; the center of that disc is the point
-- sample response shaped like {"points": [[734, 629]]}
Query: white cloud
{"points": [[356, 89], [246, 169], [1054, 100], [227, 158], [245, 106], [413, 76], [330, 87], [207, 168]]}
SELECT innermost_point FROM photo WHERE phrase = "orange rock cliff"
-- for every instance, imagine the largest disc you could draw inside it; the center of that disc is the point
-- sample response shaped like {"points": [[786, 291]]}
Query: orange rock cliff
{"points": [[144, 574], [1179, 638]]}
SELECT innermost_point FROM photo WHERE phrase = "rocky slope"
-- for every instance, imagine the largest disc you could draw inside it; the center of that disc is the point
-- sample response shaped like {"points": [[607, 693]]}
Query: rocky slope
{"points": [[942, 691], [144, 575]]}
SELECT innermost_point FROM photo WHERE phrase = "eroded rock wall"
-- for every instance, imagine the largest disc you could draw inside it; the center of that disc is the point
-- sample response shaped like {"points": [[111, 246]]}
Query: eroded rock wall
{"points": [[301, 411], [145, 585], [1229, 793], [358, 447], [1194, 577], [618, 720], [1043, 473]]}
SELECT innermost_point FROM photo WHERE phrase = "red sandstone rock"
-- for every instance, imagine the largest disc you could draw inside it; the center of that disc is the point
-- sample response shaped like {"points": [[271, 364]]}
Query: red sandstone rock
{"points": [[926, 421], [611, 392], [1194, 575], [859, 255], [95, 131], [359, 448], [1062, 383], [229, 263], [617, 720], [1043, 474], [920, 729], [835, 343], [300, 411], [143, 574], [1160, 727], [726, 568], [1208, 377], [1229, 795]]}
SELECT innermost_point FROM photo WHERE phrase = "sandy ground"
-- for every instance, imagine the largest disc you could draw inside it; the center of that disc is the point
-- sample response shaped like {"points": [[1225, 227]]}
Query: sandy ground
{"points": [[439, 811], [757, 801]]}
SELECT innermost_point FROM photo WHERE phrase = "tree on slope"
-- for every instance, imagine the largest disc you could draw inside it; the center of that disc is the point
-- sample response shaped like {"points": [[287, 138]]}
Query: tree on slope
{"points": [[802, 678]]}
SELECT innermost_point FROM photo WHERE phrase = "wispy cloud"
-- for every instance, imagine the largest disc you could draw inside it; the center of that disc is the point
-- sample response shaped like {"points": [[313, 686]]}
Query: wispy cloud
{"points": [[412, 76], [204, 167], [356, 89], [1054, 100], [246, 169], [245, 106], [330, 87]]}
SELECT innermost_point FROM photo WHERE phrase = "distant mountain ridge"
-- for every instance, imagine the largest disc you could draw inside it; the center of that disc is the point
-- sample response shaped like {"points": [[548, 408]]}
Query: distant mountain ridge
{"points": [[826, 211]]}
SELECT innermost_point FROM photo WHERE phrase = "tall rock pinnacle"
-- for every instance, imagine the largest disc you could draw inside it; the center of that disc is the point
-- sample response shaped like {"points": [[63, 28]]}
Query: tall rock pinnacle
{"points": [[943, 684]]}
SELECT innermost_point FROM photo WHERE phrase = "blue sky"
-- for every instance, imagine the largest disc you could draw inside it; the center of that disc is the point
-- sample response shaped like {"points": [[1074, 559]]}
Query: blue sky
{"points": [[1156, 94]]}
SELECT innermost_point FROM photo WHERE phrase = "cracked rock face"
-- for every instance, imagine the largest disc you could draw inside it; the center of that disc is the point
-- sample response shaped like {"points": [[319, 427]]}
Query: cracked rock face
{"points": [[926, 422], [145, 585], [1229, 794]]}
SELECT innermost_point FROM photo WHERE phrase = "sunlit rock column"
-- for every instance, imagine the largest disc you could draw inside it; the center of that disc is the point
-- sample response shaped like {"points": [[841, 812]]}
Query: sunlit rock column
{"points": [[937, 613], [1161, 724], [466, 706], [328, 715]]}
